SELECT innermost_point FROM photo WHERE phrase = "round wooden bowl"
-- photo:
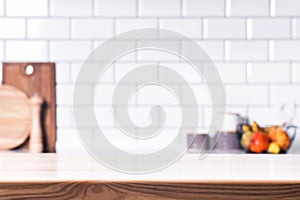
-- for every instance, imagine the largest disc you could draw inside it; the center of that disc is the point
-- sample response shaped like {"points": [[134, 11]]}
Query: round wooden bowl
{"points": [[15, 117]]}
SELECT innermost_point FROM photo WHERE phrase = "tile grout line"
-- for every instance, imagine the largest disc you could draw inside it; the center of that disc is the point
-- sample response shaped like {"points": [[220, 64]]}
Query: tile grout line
{"points": [[293, 28], [291, 74], [48, 48], [269, 95], [26, 28], [248, 72], [137, 8], [4, 49], [48, 8], [147, 17], [181, 9], [204, 28], [70, 21], [4, 8], [114, 27], [93, 8]]}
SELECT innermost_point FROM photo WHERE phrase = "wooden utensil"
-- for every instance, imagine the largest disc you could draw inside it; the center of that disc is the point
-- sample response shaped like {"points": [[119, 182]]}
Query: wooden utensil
{"points": [[40, 78], [36, 137], [15, 117]]}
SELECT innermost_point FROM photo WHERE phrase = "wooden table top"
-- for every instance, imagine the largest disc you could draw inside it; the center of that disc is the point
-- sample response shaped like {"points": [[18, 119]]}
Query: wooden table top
{"points": [[241, 176]]}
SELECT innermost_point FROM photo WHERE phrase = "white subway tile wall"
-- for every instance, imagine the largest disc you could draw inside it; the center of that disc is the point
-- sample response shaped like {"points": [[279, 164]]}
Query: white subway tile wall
{"points": [[189, 27], [296, 27], [214, 49], [12, 28], [69, 50], [287, 8], [124, 25], [92, 28], [70, 8], [26, 8], [247, 8], [252, 95], [283, 94], [63, 73], [224, 28], [48, 28], [25, 50], [226, 72], [271, 28], [203, 8], [286, 50], [161, 8], [115, 8], [252, 50], [296, 72], [271, 73], [255, 45], [266, 115]]}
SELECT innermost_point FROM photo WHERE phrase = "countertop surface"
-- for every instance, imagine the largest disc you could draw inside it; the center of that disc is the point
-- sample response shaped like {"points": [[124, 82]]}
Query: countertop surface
{"points": [[215, 167]]}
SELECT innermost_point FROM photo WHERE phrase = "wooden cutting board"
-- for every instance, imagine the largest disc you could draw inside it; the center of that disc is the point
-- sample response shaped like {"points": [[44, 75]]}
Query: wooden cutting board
{"points": [[15, 117], [41, 80]]}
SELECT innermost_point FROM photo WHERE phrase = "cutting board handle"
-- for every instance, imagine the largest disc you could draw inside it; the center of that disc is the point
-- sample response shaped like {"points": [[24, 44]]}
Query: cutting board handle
{"points": [[36, 137]]}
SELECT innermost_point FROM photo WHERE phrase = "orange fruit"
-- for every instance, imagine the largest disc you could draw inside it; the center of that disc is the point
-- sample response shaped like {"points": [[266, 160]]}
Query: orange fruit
{"points": [[272, 133], [283, 140]]}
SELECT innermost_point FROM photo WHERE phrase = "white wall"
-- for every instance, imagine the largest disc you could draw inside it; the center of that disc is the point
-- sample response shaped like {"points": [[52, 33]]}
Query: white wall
{"points": [[254, 43]]}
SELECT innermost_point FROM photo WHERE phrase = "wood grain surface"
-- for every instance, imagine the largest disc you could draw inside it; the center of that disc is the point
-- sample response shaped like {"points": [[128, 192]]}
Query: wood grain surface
{"points": [[41, 81], [140, 190], [15, 117], [78, 176]]}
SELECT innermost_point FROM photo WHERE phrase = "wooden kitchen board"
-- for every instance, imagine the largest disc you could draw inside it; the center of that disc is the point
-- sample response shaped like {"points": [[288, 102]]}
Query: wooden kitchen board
{"points": [[42, 81]]}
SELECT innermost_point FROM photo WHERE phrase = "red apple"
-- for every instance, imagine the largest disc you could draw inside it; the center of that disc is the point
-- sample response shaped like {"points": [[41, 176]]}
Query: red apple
{"points": [[259, 142]]}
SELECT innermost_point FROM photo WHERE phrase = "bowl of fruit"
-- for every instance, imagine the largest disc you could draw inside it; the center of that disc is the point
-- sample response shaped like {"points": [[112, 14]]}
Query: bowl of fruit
{"points": [[268, 139]]}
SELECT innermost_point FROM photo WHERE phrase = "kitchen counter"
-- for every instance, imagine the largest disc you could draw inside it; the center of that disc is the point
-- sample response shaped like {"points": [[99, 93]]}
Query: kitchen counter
{"points": [[247, 176]]}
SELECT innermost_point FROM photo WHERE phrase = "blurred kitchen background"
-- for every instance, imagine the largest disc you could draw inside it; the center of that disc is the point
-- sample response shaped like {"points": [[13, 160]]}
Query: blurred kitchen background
{"points": [[255, 45]]}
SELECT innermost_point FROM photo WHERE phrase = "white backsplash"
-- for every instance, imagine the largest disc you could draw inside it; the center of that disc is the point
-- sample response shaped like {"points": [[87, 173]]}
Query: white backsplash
{"points": [[255, 45]]}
